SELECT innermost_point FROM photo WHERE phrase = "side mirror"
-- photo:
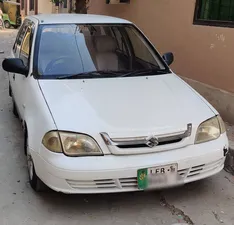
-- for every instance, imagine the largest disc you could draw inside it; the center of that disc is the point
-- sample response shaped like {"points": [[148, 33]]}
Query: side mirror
{"points": [[168, 58], [15, 65]]}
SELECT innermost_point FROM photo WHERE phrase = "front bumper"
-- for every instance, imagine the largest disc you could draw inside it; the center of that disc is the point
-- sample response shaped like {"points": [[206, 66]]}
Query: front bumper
{"points": [[110, 173]]}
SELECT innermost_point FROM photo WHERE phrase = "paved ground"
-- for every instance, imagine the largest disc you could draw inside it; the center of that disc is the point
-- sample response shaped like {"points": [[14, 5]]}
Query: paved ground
{"points": [[209, 202]]}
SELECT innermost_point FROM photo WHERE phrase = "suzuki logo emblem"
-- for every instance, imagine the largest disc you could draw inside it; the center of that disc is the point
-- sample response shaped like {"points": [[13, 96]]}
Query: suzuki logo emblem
{"points": [[152, 141]]}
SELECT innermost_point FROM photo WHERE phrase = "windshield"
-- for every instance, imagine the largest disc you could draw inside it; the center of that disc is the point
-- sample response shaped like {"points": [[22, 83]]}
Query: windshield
{"points": [[71, 49]]}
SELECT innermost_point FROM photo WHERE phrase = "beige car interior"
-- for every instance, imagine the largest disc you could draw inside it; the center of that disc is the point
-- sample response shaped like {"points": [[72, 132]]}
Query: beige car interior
{"points": [[102, 49], [106, 57]]}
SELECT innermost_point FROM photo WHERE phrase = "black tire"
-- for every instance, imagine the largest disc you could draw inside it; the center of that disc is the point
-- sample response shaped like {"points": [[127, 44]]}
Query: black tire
{"points": [[7, 24], [15, 112], [10, 91], [35, 182], [25, 139]]}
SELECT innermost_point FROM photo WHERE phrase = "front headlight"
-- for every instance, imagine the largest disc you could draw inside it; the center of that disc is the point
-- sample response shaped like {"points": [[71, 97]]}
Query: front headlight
{"points": [[210, 130], [52, 142], [71, 144]]}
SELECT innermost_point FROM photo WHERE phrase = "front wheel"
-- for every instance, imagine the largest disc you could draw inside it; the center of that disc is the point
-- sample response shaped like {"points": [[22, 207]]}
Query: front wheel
{"points": [[15, 111], [7, 24], [35, 182]]}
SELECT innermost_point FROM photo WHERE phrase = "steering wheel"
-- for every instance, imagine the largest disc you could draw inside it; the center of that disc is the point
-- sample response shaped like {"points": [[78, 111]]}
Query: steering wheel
{"points": [[51, 66]]}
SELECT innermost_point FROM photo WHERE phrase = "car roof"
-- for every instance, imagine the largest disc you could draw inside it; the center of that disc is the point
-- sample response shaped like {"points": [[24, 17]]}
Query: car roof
{"points": [[76, 18]]}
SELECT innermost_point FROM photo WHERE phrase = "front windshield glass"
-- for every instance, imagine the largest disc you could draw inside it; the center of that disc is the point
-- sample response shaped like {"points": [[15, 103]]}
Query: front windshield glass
{"points": [[71, 49]]}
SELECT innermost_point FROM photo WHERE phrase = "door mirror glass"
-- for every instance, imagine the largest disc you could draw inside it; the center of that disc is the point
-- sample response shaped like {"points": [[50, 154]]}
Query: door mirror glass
{"points": [[15, 65], [168, 58]]}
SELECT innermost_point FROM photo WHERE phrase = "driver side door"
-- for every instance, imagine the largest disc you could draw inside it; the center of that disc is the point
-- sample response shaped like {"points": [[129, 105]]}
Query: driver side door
{"points": [[13, 77], [23, 52], [25, 55]]}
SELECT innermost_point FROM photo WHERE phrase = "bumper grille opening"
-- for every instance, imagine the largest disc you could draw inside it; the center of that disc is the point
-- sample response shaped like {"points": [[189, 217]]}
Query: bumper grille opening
{"points": [[105, 183], [121, 183], [201, 169], [128, 182], [183, 172]]}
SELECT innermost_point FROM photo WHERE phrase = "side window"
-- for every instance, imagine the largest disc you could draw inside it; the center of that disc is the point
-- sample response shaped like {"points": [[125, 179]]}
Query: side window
{"points": [[26, 46], [20, 36]]}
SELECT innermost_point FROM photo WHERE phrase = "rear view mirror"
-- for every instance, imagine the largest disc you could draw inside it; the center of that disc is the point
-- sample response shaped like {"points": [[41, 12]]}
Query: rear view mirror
{"points": [[15, 65], [168, 58]]}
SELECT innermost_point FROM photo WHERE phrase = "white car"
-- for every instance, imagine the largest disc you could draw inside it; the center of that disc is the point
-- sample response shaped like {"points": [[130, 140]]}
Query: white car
{"points": [[102, 112]]}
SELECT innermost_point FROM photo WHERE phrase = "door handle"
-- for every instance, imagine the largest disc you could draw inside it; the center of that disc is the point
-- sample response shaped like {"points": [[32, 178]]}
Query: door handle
{"points": [[13, 76]]}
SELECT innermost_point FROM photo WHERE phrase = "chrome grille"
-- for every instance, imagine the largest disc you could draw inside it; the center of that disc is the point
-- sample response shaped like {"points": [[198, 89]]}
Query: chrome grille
{"points": [[139, 142]]}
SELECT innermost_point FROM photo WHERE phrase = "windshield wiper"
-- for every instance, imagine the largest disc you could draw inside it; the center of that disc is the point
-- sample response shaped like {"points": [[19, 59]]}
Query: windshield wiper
{"points": [[92, 74], [145, 72], [112, 73]]}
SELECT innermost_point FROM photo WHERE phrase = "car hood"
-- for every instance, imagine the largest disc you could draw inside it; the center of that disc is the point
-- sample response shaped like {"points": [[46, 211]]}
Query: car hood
{"points": [[124, 106]]}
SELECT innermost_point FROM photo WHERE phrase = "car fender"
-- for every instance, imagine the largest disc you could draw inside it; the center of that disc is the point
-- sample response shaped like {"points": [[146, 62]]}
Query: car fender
{"points": [[37, 116]]}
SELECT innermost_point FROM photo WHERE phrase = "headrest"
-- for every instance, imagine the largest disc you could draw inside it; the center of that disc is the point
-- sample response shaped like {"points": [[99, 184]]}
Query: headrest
{"points": [[105, 43]]}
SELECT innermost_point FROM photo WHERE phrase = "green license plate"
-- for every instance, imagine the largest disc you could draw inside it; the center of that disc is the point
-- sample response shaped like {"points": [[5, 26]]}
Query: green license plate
{"points": [[157, 177]]}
